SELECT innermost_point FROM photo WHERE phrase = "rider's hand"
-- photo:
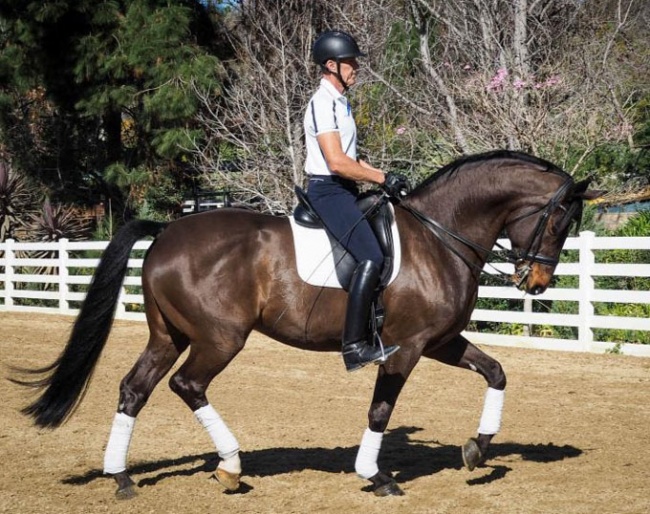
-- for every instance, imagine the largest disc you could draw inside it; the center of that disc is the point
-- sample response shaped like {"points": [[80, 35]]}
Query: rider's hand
{"points": [[396, 186]]}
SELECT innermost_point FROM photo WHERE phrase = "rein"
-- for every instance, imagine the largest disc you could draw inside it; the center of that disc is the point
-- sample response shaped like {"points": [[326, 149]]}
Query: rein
{"points": [[439, 231], [517, 258]]}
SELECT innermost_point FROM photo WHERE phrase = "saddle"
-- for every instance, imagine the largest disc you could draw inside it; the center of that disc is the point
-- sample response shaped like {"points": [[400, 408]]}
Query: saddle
{"points": [[380, 216]]}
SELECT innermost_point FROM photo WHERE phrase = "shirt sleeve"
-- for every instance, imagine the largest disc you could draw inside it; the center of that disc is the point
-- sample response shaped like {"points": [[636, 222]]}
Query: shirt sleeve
{"points": [[323, 115]]}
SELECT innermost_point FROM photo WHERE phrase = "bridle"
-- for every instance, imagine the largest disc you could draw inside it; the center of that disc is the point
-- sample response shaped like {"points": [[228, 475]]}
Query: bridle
{"points": [[522, 259], [531, 254]]}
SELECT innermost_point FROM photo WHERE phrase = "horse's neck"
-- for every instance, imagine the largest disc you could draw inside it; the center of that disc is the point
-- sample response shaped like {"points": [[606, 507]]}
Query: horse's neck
{"points": [[473, 204]]}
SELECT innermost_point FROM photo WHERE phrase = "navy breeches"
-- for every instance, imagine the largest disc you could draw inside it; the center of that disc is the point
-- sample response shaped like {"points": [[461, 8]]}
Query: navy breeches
{"points": [[334, 198]]}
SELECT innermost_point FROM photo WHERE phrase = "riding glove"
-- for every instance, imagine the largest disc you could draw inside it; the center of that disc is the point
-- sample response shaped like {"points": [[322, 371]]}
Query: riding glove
{"points": [[396, 186]]}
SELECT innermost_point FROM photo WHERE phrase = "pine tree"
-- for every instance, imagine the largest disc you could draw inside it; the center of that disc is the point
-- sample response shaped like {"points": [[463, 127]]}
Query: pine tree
{"points": [[118, 77]]}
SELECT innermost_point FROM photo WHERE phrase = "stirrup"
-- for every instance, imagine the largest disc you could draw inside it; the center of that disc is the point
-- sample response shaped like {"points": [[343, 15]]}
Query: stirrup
{"points": [[386, 351], [361, 353]]}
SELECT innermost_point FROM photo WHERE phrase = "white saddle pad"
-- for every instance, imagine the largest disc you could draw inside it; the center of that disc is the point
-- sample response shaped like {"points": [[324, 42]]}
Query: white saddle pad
{"points": [[315, 259]]}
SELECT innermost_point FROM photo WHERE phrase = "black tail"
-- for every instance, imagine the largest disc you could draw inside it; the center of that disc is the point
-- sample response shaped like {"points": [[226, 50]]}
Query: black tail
{"points": [[66, 380]]}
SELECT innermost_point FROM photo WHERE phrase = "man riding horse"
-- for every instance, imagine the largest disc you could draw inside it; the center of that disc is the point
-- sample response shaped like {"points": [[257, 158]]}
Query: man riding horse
{"points": [[333, 170]]}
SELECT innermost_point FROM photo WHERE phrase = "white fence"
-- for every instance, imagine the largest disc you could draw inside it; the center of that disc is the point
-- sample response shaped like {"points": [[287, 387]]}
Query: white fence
{"points": [[71, 268]]}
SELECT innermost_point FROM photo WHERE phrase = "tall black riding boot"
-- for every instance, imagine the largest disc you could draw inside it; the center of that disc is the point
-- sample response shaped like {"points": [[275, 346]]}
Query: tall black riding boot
{"points": [[356, 350]]}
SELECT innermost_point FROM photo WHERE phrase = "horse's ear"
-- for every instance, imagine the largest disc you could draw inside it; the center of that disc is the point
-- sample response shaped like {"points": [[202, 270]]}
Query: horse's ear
{"points": [[580, 191], [592, 194]]}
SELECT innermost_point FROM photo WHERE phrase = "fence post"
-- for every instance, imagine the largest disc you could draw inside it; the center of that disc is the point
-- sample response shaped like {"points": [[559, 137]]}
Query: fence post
{"points": [[10, 262], [528, 307], [121, 305], [64, 306], [585, 305]]}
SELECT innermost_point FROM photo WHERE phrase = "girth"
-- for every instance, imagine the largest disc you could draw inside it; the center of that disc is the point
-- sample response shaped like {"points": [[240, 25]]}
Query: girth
{"points": [[380, 217]]}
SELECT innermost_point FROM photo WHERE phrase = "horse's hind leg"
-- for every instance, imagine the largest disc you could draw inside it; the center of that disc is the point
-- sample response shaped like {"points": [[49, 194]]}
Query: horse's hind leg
{"points": [[136, 387], [461, 353], [205, 361]]}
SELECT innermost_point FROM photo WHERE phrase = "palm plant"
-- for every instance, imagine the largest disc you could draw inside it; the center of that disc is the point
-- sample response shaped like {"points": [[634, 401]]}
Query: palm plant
{"points": [[16, 201], [52, 223], [56, 222]]}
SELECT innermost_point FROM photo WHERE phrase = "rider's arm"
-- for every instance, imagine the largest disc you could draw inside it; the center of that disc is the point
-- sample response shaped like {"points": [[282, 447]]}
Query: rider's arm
{"points": [[338, 162]]}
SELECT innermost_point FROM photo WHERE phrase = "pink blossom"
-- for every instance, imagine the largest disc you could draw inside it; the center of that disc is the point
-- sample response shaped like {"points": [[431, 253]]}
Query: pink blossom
{"points": [[400, 130], [625, 129], [549, 82], [518, 84], [496, 84], [552, 81]]}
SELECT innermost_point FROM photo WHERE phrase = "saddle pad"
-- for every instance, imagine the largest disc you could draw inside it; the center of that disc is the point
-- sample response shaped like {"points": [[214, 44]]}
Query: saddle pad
{"points": [[315, 259]]}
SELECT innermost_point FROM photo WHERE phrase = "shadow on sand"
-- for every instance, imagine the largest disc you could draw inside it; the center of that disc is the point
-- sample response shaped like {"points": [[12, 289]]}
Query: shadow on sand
{"points": [[407, 457]]}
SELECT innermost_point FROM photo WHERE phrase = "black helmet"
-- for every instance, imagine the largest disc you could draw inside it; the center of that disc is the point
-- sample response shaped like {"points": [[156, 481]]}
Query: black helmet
{"points": [[336, 45]]}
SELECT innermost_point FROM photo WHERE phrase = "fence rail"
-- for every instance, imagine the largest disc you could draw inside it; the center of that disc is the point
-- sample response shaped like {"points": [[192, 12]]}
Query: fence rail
{"points": [[70, 265]]}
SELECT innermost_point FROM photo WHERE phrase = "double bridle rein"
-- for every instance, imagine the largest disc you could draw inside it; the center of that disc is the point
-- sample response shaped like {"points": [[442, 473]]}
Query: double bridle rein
{"points": [[522, 259]]}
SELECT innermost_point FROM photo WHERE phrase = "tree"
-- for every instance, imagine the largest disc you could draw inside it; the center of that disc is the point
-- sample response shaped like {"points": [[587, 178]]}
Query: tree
{"points": [[254, 145], [117, 77], [442, 79], [130, 98], [545, 77], [256, 128]]}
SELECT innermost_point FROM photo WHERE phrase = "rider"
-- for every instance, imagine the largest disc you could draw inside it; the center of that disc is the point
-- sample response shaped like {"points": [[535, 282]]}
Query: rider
{"points": [[333, 170]]}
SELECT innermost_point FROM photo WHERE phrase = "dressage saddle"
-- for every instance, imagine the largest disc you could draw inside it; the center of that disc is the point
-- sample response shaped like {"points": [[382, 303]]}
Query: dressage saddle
{"points": [[380, 216]]}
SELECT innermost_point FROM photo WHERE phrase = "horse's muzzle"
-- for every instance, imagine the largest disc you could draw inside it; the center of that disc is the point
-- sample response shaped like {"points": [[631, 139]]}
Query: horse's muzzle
{"points": [[532, 277], [536, 290]]}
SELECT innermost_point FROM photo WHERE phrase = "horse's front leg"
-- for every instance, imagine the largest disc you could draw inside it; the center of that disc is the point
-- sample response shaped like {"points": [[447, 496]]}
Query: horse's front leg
{"points": [[391, 377], [461, 353]]}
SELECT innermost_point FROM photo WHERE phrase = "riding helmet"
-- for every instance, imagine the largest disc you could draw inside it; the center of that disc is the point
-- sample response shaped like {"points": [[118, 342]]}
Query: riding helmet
{"points": [[336, 45]]}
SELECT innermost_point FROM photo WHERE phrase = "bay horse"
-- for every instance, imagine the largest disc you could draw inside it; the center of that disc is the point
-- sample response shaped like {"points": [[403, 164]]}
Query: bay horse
{"points": [[210, 279]]}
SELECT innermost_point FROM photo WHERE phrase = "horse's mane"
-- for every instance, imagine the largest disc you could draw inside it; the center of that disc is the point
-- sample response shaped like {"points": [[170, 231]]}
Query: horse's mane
{"points": [[453, 167]]}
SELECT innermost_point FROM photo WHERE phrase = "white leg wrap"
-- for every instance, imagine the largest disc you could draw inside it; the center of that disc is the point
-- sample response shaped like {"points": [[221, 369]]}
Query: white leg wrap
{"points": [[366, 463], [118, 443], [492, 409], [223, 439]]}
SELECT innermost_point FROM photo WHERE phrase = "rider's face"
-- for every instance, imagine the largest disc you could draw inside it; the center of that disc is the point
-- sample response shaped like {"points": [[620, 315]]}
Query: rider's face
{"points": [[348, 68]]}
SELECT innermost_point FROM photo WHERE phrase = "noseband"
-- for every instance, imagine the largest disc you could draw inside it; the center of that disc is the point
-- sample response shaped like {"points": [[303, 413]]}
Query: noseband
{"points": [[522, 259]]}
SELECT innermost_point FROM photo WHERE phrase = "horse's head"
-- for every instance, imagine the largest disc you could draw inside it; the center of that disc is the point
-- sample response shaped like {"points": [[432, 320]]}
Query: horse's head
{"points": [[538, 230]]}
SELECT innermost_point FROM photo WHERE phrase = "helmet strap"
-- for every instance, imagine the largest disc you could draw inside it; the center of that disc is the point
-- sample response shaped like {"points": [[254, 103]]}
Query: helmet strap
{"points": [[340, 77]]}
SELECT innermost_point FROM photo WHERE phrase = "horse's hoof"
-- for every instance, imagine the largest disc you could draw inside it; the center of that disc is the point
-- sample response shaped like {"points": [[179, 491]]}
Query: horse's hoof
{"points": [[125, 493], [390, 489], [472, 454], [125, 486], [385, 485], [230, 481]]}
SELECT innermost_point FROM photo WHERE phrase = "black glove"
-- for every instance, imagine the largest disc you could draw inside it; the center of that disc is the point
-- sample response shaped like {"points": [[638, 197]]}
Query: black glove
{"points": [[396, 186]]}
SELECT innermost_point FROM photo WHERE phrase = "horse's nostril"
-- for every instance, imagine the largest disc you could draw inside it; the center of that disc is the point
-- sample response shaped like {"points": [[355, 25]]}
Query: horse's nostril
{"points": [[537, 290]]}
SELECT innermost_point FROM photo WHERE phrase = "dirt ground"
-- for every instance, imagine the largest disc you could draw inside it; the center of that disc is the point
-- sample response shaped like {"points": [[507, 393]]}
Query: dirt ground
{"points": [[574, 436]]}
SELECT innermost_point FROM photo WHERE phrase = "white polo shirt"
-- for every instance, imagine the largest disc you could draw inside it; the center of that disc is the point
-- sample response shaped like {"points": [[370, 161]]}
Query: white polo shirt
{"points": [[328, 111]]}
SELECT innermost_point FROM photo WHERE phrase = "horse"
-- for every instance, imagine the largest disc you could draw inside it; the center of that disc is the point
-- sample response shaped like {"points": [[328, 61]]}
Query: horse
{"points": [[212, 278]]}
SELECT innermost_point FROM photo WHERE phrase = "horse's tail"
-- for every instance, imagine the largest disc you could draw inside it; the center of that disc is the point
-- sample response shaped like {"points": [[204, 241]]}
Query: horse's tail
{"points": [[66, 380]]}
